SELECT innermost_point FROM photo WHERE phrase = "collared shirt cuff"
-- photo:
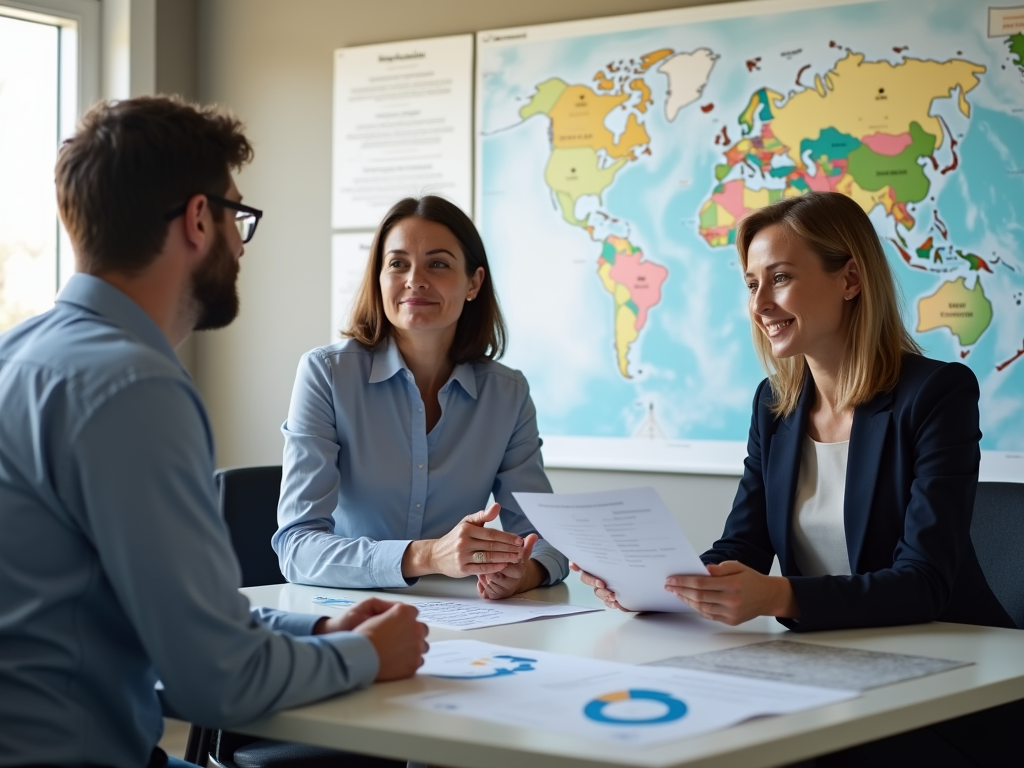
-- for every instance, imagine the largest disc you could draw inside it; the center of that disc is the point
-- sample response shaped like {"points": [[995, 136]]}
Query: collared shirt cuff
{"points": [[551, 559], [359, 655], [297, 624], [386, 564]]}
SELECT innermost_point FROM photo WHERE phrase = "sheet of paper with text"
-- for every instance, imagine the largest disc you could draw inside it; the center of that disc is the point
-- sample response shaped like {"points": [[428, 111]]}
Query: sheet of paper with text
{"points": [[402, 126], [627, 538]]}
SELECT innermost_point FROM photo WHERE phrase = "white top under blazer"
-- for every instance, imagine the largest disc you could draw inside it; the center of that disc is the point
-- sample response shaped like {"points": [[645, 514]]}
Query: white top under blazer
{"points": [[819, 530]]}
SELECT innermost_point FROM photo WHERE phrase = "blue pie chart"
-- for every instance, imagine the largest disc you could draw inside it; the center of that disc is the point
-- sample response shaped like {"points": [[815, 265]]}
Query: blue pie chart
{"points": [[674, 708], [491, 667]]}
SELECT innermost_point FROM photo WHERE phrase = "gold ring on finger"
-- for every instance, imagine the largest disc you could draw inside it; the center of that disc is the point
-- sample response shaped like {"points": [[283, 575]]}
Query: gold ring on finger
{"points": [[479, 557]]}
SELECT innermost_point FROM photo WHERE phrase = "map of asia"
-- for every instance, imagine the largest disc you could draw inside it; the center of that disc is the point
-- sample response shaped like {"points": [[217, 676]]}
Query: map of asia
{"points": [[617, 156]]}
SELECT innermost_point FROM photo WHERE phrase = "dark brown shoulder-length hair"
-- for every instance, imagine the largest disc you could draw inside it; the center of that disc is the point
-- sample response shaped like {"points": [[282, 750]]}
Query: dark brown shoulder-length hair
{"points": [[836, 228], [480, 333]]}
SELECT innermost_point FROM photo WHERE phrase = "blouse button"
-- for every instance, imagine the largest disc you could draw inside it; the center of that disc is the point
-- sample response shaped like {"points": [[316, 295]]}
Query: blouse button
{"points": [[420, 465], [417, 505]]}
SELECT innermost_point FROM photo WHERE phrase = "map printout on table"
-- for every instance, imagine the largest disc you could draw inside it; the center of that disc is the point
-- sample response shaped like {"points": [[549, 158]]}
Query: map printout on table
{"points": [[616, 156]]}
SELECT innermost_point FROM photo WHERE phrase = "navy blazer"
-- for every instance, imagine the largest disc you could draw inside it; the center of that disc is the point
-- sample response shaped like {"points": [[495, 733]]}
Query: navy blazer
{"points": [[911, 478]]}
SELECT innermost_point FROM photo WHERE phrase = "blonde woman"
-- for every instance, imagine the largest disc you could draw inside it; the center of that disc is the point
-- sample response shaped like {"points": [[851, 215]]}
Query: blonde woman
{"points": [[863, 455]]}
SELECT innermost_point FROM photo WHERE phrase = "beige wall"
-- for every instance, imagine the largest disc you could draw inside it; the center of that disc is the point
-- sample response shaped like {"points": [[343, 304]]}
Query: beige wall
{"points": [[271, 61]]}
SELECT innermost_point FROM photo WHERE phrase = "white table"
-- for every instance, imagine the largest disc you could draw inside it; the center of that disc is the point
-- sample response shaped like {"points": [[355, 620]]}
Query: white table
{"points": [[366, 722]]}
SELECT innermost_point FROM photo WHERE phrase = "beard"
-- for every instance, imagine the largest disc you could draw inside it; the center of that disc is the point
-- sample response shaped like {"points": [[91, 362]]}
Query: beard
{"points": [[214, 287]]}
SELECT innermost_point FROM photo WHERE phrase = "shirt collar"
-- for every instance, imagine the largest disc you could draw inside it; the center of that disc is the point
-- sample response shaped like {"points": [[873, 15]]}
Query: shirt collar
{"points": [[99, 296], [387, 361], [466, 376]]}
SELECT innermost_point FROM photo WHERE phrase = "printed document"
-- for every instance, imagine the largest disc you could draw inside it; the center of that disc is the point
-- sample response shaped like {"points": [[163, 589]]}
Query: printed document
{"points": [[626, 538], [474, 613], [601, 700]]}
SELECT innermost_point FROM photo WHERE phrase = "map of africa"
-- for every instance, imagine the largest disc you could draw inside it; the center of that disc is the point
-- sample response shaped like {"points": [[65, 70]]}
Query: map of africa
{"points": [[616, 158]]}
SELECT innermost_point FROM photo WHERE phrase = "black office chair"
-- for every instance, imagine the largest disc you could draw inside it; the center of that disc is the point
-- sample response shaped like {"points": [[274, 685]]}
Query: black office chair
{"points": [[997, 531], [248, 502]]}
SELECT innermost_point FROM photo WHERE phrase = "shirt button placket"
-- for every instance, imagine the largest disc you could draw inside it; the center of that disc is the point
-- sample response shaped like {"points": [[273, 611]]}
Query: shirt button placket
{"points": [[418, 495]]}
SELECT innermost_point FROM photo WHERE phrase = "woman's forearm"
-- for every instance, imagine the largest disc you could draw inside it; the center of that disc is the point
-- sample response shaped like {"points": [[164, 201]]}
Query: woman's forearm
{"points": [[418, 559]]}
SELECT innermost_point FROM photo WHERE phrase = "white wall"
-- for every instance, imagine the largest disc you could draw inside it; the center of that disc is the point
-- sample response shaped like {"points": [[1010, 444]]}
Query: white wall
{"points": [[271, 62]]}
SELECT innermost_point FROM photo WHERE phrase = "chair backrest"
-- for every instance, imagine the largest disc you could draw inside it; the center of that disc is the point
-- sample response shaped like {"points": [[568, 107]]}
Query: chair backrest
{"points": [[248, 501], [998, 535]]}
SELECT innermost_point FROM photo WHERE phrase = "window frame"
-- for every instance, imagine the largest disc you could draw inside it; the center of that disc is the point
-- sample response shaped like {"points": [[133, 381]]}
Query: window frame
{"points": [[79, 22]]}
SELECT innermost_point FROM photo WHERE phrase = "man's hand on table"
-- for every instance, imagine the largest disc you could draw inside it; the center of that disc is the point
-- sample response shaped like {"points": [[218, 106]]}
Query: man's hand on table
{"points": [[399, 639]]}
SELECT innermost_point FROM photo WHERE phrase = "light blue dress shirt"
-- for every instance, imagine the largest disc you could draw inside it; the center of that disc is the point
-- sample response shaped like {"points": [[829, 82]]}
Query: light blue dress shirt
{"points": [[362, 478], [116, 569]]}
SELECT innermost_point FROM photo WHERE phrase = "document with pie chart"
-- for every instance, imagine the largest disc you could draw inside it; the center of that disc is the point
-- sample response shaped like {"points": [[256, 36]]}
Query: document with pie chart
{"points": [[605, 700]]}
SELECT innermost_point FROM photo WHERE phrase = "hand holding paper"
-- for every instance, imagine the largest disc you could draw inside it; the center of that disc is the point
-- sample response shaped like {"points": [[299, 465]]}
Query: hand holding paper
{"points": [[626, 538], [735, 593]]}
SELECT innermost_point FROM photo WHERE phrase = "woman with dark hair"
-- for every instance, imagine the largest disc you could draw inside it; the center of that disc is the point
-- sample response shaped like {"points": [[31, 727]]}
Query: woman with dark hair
{"points": [[397, 433]]}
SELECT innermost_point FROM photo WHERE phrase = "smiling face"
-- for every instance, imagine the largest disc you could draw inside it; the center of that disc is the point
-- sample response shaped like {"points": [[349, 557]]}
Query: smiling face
{"points": [[794, 302], [423, 278]]}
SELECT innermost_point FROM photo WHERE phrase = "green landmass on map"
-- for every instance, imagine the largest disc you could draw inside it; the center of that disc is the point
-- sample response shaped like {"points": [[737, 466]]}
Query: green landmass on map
{"points": [[1016, 43], [966, 312]]}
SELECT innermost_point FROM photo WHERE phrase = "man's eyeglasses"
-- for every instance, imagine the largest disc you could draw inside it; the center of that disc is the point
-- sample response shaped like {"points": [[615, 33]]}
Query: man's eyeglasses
{"points": [[246, 217]]}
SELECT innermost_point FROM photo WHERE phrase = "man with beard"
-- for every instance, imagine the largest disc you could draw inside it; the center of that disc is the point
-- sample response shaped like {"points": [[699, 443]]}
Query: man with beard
{"points": [[116, 570]]}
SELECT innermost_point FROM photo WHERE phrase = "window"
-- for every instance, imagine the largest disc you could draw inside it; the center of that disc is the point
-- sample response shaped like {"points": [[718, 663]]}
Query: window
{"points": [[42, 84]]}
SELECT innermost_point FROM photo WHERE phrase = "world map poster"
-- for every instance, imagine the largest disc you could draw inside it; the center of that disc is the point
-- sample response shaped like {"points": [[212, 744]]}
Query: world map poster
{"points": [[615, 158]]}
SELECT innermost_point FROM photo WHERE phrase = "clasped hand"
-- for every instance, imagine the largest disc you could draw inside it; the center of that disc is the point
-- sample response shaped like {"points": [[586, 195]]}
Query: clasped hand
{"points": [[500, 561], [731, 594], [470, 549]]}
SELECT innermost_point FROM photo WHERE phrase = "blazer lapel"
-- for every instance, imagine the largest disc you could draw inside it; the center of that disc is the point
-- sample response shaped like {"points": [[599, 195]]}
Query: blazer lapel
{"points": [[867, 438], [783, 471]]}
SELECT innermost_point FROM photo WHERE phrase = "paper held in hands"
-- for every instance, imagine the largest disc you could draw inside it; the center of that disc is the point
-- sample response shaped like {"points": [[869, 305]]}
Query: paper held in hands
{"points": [[626, 538]]}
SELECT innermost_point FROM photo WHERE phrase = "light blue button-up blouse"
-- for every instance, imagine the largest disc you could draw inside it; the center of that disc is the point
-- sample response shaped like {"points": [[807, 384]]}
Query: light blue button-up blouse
{"points": [[362, 478]]}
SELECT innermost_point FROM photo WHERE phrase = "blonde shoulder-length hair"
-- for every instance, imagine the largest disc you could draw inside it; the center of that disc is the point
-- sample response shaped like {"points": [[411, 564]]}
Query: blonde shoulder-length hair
{"points": [[837, 230]]}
